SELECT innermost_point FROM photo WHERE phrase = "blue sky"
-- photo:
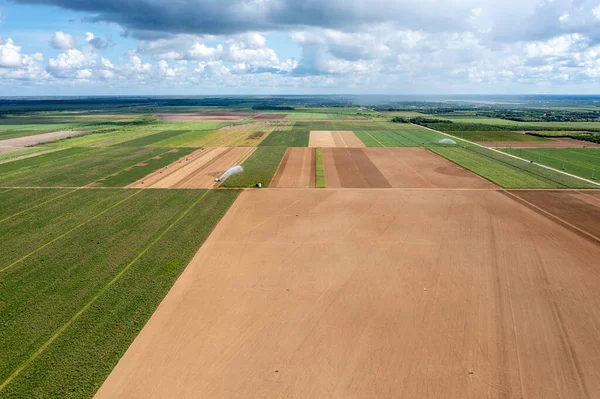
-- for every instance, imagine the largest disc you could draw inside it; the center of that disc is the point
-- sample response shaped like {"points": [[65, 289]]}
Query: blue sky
{"points": [[70, 47]]}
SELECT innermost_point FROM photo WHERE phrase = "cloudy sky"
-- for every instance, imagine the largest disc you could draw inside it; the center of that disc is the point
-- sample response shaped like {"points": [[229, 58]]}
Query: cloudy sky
{"points": [[72, 47]]}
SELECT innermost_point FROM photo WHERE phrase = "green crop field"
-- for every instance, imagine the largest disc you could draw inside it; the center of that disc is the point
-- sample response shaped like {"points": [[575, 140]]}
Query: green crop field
{"points": [[296, 137], [307, 115], [9, 156], [260, 167], [508, 172], [82, 288], [415, 137], [583, 162], [152, 138], [319, 171], [76, 167]]}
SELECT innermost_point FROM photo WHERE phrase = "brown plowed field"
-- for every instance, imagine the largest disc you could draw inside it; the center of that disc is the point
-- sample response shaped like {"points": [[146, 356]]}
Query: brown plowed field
{"points": [[351, 167], [375, 294], [197, 170], [555, 143], [334, 138], [395, 167], [208, 116], [297, 169], [578, 209]]}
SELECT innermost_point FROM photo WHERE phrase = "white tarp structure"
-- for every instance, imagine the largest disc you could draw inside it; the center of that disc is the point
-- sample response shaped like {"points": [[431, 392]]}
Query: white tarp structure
{"points": [[231, 171], [447, 141]]}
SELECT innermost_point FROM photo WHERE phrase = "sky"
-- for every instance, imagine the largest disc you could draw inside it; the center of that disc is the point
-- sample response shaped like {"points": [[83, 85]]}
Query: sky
{"points": [[224, 47]]}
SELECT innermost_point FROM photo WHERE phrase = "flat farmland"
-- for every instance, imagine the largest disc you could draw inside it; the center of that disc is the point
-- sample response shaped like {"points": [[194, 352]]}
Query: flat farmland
{"points": [[362, 293], [198, 170], [561, 142], [297, 169], [247, 135], [395, 167], [260, 167], [415, 137], [334, 138], [205, 116], [76, 167], [82, 276], [577, 210], [506, 171], [584, 162]]}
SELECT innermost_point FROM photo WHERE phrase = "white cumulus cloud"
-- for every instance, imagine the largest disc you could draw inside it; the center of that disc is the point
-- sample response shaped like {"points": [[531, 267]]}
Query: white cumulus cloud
{"points": [[62, 41]]}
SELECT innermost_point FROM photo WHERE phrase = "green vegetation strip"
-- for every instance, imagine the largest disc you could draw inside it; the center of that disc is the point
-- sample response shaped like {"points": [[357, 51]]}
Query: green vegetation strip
{"points": [[260, 167], [319, 169], [583, 162], [152, 138], [76, 308], [506, 171]]}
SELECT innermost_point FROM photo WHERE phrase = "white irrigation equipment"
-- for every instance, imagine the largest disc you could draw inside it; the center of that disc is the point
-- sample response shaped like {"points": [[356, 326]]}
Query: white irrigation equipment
{"points": [[231, 171], [447, 141]]}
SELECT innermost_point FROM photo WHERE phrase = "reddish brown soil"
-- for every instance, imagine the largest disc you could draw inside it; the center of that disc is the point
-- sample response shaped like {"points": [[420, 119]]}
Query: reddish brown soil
{"points": [[40, 138], [297, 169], [351, 167], [271, 116], [375, 294], [555, 143], [197, 170], [578, 209], [395, 167]]}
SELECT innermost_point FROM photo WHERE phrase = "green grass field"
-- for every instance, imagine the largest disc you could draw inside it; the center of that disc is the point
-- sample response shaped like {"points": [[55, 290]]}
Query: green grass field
{"points": [[79, 296], [260, 167], [508, 172], [76, 167], [583, 162]]}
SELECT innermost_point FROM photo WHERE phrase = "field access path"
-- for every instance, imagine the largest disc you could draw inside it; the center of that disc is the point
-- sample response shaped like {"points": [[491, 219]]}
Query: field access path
{"points": [[398, 293]]}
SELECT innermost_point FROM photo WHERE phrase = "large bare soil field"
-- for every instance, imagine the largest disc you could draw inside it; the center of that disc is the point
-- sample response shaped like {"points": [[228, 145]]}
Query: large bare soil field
{"points": [[196, 170], [40, 138], [204, 116], [297, 168], [375, 294], [383, 167], [555, 143], [578, 209], [334, 138]]}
